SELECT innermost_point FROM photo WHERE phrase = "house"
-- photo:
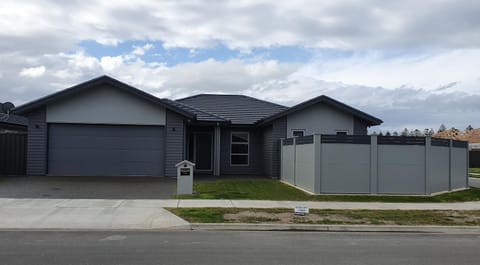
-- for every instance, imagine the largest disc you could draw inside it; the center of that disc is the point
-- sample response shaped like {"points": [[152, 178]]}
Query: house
{"points": [[474, 155], [106, 127]]}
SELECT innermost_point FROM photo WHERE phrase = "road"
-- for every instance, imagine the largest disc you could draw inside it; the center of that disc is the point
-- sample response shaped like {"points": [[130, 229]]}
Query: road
{"points": [[203, 247]]}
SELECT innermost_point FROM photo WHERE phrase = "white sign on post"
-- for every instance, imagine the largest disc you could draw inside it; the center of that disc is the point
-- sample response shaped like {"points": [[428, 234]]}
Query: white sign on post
{"points": [[301, 210]]}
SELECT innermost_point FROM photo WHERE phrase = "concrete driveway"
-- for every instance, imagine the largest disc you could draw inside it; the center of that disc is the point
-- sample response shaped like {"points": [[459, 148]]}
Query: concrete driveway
{"points": [[87, 187]]}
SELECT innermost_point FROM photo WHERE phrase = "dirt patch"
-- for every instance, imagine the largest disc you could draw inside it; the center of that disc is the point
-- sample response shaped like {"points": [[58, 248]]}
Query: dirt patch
{"points": [[290, 218], [336, 217]]}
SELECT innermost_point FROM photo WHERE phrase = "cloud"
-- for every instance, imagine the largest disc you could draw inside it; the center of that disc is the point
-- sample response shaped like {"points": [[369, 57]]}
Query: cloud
{"points": [[339, 24], [412, 67], [140, 50], [33, 72]]}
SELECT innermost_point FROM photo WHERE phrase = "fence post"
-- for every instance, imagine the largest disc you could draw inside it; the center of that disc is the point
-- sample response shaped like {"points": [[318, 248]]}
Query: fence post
{"points": [[468, 164], [450, 168], [428, 144], [295, 161], [373, 164], [317, 140], [281, 160]]}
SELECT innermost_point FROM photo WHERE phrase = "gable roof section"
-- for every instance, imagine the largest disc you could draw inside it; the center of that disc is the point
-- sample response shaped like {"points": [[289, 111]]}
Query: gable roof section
{"points": [[369, 119], [238, 109], [102, 80]]}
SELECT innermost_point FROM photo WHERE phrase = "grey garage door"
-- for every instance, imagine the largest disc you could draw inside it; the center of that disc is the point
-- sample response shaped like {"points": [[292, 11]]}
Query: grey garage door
{"points": [[105, 150]]}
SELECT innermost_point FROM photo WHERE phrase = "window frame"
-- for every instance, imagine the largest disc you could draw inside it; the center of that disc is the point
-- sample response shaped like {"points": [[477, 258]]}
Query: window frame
{"points": [[240, 154], [298, 130], [341, 132]]}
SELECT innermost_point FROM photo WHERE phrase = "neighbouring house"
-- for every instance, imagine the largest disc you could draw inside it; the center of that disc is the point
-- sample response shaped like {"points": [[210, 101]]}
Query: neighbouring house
{"points": [[474, 155], [104, 127]]}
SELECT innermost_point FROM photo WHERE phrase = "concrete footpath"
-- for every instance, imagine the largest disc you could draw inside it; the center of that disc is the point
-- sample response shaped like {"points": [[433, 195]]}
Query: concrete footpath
{"points": [[95, 214]]}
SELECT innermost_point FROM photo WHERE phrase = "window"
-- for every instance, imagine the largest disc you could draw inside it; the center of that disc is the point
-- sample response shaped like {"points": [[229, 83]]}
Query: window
{"points": [[239, 148], [342, 132], [298, 133]]}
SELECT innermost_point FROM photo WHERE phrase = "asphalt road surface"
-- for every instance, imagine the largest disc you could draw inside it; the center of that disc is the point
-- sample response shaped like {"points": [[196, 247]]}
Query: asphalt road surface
{"points": [[202, 247]]}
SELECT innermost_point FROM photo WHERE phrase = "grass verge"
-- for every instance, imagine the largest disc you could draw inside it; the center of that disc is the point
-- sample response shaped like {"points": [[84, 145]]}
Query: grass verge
{"points": [[366, 217], [474, 170], [275, 190]]}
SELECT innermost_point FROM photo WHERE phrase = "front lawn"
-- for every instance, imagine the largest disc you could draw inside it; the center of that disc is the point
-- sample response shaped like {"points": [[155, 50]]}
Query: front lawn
{"points": [[274, 190], [474, 170], [356, 217]]}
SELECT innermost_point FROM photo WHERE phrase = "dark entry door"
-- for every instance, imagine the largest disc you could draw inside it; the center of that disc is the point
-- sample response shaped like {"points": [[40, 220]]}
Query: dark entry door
{"points": [[203, 150]]}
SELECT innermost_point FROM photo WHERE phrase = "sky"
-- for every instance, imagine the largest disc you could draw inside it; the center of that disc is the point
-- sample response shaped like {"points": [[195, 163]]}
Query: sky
{"points": [[414, 64]]}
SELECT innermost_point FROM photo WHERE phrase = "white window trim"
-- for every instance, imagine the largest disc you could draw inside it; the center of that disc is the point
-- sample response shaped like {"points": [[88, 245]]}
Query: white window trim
{"points": [[247, 143], [298, 130]]}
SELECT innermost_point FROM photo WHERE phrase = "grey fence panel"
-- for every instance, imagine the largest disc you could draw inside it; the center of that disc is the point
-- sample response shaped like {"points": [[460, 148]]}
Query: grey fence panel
{"points": [[305, 166], [345, 168], [288, 164], [401, 169], [391, 165], [439, 167], [459, 168]]}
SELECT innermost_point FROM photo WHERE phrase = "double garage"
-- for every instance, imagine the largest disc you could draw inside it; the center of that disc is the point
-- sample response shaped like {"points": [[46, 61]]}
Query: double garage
{"points": [[98, 128], [106, 150]]}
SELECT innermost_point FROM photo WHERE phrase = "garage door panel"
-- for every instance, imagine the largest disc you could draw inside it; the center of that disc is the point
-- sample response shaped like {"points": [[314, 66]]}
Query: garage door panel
{"points": [[105, 150], [117, 143]]}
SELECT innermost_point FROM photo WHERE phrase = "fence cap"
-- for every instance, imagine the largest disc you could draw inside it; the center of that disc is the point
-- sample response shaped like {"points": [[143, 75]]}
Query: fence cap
{"points": [[475, 146]]}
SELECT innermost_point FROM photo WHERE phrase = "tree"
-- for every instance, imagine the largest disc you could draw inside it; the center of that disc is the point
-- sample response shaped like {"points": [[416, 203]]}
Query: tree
{"points": [[442, 128], [388, 133], [469, 128], [405, 132], [395, 133]]}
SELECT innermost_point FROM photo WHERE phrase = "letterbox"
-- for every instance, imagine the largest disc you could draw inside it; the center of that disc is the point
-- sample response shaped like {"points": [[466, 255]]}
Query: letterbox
{"points": [[185, 177]]}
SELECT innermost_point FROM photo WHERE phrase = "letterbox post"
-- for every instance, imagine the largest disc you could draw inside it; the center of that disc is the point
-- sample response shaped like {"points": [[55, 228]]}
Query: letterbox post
{"points": [[185, 177]]}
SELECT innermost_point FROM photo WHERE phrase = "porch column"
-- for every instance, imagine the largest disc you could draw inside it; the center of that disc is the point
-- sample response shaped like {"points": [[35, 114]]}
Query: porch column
{"points": [[216, 151]]}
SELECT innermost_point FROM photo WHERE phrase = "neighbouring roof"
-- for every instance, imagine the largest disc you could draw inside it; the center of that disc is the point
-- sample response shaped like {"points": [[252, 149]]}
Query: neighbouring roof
{"points": [[369, 119], [238, 109], [472, 136], [13, 119], [102, 80]]}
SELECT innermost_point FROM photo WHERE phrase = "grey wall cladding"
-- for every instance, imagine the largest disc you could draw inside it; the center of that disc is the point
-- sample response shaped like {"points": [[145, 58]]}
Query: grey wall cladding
{"points": [[174, 142], [279, 131], [255, 166], [359, 127], [37, 142], [267, 151]]}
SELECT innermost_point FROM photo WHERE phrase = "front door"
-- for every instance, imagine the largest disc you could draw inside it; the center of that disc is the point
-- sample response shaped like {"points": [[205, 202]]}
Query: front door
{"points": [[202, 150]]}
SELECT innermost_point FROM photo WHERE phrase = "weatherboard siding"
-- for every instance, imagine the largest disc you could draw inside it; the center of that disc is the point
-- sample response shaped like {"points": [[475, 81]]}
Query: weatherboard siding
{"points": [[174, 142], [267, 150], [37, 143], [279, 131]]}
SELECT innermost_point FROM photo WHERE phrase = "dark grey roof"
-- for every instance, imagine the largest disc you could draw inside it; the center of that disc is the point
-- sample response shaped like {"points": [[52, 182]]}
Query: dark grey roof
{"points": [[94, 83], [371, 120], [201, 115], [13, 119], [238, 109]]}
